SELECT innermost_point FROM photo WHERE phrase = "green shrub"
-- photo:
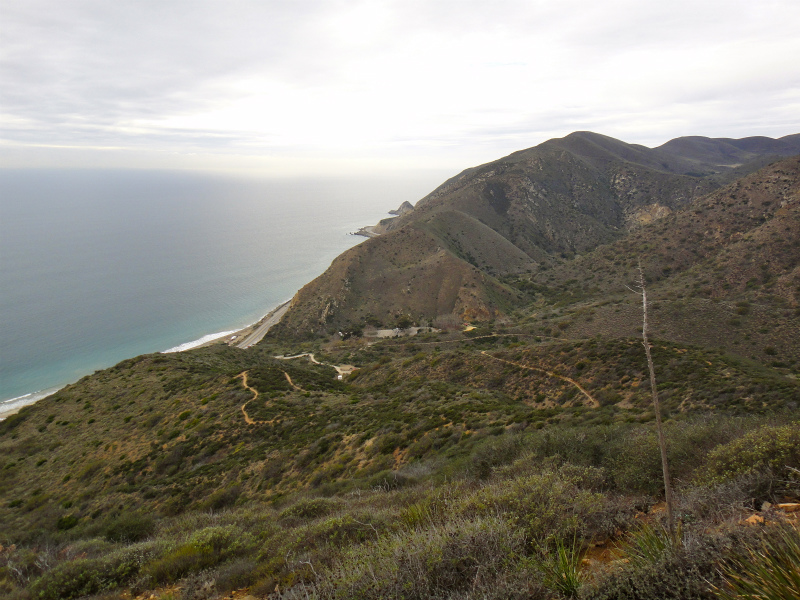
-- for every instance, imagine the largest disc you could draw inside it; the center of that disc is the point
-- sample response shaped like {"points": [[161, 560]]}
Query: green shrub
{"points": [[129, 527], [235, 575], [67, 522], [634, 463], [416, 515], [85, 576], [13, 421], [434, 562], [686, 573], [90, 548], [310, 508], [204, 549], [223, 498], [494, 452], [552, 502], [647, 545], [70, 580], [776, 448], [178, 563]]}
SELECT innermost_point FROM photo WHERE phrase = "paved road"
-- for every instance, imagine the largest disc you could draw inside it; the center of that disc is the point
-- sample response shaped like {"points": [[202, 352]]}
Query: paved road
{"points": [[262, 329]]}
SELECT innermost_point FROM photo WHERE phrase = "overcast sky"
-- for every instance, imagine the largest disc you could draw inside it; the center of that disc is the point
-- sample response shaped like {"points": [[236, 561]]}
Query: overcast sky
{"points": [[330, 85]]}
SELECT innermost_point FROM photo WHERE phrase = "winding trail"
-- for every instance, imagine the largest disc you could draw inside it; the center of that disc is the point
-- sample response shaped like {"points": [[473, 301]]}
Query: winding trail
{"points": [[342, 370], [291, 383], [593, 400], [308, 354], [247, 418]]}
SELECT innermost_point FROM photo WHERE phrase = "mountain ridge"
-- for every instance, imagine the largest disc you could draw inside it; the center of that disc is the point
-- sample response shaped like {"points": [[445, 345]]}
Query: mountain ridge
{"points": [[562, 198]]}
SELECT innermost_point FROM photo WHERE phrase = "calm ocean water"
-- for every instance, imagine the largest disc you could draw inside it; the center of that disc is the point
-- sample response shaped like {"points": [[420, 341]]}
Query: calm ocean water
{"points": [[99, 266]]}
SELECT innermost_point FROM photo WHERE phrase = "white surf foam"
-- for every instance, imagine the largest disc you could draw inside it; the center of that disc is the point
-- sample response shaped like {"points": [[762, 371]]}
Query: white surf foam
{"points": [[14, 404], [203, 340], [215, 336]]}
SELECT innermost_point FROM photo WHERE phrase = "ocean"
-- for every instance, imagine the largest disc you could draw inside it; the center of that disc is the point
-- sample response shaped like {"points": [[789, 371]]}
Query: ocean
{"points": [[101, 265]]}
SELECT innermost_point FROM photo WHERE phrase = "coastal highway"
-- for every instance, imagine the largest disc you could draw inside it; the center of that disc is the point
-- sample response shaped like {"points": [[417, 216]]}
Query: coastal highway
{"points": [[263, 327]]}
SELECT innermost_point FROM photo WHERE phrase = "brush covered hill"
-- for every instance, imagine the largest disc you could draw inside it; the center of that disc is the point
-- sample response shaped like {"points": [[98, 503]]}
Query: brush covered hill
{"points": [[514, 460], [449, 466], [723, 272], [533, 208]]}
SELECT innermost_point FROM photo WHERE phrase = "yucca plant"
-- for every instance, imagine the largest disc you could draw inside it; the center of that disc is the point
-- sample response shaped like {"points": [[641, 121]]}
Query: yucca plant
{"points": [[648, 544], [561, 569], [770, 571]]}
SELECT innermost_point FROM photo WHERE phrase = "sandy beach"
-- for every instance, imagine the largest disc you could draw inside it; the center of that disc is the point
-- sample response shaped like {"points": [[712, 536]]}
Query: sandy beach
{"points": [[13, 406]]}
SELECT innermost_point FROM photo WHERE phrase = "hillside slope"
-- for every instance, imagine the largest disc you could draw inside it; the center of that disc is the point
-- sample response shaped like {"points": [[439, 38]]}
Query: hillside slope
{"points": [[723, 272], [452, 254]]}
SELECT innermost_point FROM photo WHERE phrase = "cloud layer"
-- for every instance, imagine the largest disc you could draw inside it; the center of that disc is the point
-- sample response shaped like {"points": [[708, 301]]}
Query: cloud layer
{"points": [[329, 84]]}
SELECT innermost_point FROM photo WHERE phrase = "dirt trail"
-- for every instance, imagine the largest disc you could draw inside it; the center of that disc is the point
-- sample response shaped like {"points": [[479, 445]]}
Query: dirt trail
{"points": [[498, 335], [291, 383], [308, 354], [594, 402], [342, 370], [247, 418]]}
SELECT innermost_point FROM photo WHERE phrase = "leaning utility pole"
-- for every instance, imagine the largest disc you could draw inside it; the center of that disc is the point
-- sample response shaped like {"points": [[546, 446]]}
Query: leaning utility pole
{"points": [[662, 444]]}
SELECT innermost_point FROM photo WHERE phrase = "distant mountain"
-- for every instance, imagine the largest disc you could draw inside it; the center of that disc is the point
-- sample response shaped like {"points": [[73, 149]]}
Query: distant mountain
{"points": [[726, 152], [535, 207]]}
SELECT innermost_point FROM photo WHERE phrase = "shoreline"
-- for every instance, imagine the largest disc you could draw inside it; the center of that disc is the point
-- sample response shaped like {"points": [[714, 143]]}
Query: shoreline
{"points": [[250, 334], [13, 405], [236, 337], [243, 338], [367, 232], [240, 338]]}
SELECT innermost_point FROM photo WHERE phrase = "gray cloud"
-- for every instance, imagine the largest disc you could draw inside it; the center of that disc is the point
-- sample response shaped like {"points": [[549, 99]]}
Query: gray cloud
{"points": [[390, 77]]}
